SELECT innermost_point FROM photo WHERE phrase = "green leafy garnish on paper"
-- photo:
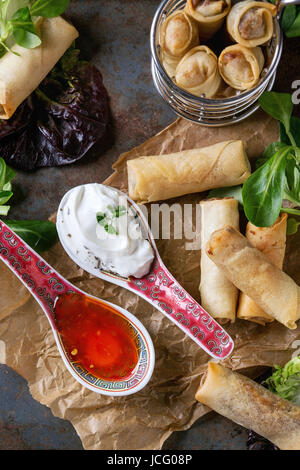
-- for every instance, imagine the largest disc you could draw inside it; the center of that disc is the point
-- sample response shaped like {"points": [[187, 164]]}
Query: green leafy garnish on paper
{"points": [[18, 21], [277, 174], [285, 381], [40, 235]]}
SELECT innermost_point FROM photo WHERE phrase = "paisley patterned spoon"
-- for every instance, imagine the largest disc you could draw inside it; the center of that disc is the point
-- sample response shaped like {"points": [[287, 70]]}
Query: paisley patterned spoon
{"points": [[161, 290], [49, 289]]}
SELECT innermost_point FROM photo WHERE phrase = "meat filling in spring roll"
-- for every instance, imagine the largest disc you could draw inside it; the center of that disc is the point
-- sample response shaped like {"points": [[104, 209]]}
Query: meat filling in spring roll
{"points": [[250, 23], [251, 405], [209, 14], [159, 177], [218, 294], [253, 273], [240, 67], [198, 73], [271, 241], [179, 34]]}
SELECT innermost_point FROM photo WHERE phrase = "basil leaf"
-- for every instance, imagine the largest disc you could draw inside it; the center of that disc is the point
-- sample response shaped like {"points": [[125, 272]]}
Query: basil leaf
{"points": [[4, 210], [23, 29], [262, 192], [292, 226], [49, 8], [278, 105], [288, 17], [6, 175], [5, 196], [40, 235], [232, 191], [294, 30], [292, 181], [294, 129]]}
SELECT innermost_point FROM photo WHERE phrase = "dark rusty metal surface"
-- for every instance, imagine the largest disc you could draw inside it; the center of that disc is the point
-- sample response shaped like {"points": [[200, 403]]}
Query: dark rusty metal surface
{"points": [[115, 36]]}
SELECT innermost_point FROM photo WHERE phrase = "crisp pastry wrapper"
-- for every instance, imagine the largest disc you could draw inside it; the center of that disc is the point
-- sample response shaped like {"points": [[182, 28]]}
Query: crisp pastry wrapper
{"points": [[235, 75], [251, 405], [198, 72], [218, 295], [272, 242], [160, 177], [209, 21], [167, 403], [21, 74], [173, 47], [236, 14], [253, 273]]}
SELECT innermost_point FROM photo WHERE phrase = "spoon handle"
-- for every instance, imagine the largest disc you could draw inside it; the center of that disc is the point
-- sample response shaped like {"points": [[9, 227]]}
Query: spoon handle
{"points": [[43, 282], [161, 289]]}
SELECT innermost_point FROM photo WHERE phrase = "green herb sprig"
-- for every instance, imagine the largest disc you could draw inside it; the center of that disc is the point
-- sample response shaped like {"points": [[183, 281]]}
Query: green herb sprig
{"points": [[17, 21], [285, 381], [106, 220], [40, 235], [277, 174]]}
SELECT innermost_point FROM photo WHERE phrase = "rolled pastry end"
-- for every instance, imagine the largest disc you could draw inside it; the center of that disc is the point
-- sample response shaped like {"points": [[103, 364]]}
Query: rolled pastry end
{"points": [[22, 70], [240, 66], [253, 273], [251, 405]]}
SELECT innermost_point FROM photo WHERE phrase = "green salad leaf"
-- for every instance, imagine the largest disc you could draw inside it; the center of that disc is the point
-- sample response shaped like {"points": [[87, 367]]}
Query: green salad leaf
{"points": [[277, 174], [40, 235], [17, 21], [285, 381]]}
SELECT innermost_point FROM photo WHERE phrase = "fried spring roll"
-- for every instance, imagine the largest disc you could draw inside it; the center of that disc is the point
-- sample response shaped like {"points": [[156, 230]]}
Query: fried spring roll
{"points": [[253, 273], [179, 34], [251, 405], [21, 74], [240, 66], [210, 15], [218, 295], [250, 23], [161, 177], [271, 241], [198, 72]]}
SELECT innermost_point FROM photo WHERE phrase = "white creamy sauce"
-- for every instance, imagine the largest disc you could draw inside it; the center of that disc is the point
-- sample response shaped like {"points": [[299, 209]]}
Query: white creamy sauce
{"points": [[96, 225]]}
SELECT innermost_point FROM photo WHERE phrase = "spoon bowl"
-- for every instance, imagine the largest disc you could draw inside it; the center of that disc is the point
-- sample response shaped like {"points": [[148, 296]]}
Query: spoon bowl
{"points": [[158, 287], [47, 286]]}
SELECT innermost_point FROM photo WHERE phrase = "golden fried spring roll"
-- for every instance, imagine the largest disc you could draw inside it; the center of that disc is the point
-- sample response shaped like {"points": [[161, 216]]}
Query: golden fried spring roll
{"points": [[251, 405], [271, 241], [210, 14], [179, 34], [218, 295], [240, 66], [21, 74], [250, 23], [198, 72], [160, 177], [253, 273]]}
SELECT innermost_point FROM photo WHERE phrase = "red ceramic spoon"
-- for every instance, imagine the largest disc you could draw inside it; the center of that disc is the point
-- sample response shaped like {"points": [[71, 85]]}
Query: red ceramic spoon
{"points": [[162, 291]]}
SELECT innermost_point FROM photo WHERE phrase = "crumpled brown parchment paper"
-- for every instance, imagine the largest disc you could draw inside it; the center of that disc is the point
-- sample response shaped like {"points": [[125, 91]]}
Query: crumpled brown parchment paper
{"points": [[146, 419]]}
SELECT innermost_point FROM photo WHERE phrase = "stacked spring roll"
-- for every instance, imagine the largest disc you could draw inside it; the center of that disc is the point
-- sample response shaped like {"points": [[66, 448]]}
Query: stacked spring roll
{"points": [[271, 241], [209, 14], [252, 272], [198, 72], [218, 294], [179, 34], [250, 23]]}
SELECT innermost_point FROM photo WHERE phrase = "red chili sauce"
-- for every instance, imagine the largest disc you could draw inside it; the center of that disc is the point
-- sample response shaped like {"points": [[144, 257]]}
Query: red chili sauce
{"points": [[97, 336]]}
